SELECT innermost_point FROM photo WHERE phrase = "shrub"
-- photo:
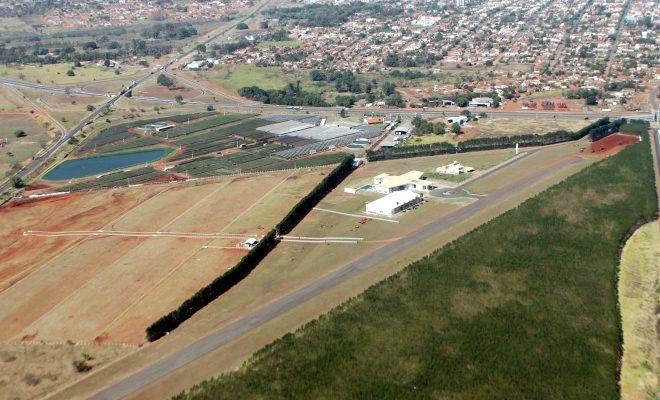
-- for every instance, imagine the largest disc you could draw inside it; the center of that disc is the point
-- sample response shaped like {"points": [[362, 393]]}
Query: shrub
{"points": [[19, 133]]}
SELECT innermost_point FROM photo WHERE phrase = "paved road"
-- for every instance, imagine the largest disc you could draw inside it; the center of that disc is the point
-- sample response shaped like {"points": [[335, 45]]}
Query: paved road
{"points": [[220, 337]]}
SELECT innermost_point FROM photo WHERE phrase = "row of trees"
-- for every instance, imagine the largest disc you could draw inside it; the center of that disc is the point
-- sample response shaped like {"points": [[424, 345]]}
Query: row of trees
{"points": [[292, 95], [248, 263], [596, 131]]}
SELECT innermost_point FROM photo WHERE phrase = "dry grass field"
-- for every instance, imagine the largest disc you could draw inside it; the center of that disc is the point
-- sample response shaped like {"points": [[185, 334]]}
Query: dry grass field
{"points": [[33, 370], [519, 126], [107, 289], [639, 297], [19, 149], [57, 73]]}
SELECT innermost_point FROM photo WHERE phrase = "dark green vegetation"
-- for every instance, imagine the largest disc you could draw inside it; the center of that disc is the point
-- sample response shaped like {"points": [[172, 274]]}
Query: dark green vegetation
{"points": [[326, 15], [307, 203], [595, 131], [117, 179], [111, 43], [523, 307], [250, 161], [292, 95], [188, 128], [248, 263]]}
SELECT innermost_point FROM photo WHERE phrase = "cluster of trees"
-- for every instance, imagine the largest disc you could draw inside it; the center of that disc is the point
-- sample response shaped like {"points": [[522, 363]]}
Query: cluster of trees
{"points": [[168, 30], [280, 35], [165, 80], [248, 263], [596, 131], [590, 96], [420, 59], [619, 85], [292, 95], [424, 127], [329, 15], [230, 47]]}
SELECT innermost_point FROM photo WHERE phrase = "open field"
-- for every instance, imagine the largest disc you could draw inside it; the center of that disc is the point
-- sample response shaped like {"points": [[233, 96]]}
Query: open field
{"points": [[8, 100], [508, 127], [20, 149], [149, 275], [237, 76], [496, 314], [284, 274], [57, 73], [33, 370], [639, 296]]}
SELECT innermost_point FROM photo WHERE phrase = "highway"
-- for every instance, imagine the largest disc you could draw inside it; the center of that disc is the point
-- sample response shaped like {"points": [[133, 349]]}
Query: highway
{"points": [[54, 147], [167, 365]]}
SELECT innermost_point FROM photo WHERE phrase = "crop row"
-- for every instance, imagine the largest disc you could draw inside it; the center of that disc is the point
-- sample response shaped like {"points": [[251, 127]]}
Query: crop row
{"points": [[120, 132], [205, 148], [117, 179], [131, 144], [187, 129]]}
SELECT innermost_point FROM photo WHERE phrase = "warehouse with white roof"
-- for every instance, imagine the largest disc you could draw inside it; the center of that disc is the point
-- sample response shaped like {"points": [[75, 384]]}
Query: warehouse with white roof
{"points": [[394, 203]]}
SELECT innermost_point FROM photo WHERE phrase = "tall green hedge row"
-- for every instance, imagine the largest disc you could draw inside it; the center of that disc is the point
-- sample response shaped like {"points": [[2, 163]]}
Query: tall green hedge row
{"points": [[597, 130], [226, 281], [308, 202]]}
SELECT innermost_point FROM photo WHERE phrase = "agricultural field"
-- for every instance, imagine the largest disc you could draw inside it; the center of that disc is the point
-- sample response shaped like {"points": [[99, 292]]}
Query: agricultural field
{"points": [[639, 296], [150, 273], [19, 149], [497, 313]]}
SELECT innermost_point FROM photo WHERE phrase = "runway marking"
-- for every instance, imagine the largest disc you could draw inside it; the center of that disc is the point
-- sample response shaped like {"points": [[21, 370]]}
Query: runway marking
{"points": [[355, 215]]}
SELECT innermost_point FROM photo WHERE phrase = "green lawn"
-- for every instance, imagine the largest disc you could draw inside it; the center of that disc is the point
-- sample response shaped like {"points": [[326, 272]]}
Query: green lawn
{"points": [[524, 307], [237, 76]]}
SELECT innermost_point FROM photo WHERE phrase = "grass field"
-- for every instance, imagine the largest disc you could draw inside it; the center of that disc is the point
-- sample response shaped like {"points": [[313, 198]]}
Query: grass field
{"points": [[17, 150], [518, 126], [639, 296], [522, 307], [8, 100], [57, 73], [237, 76], [34, 370], [109, 288]]}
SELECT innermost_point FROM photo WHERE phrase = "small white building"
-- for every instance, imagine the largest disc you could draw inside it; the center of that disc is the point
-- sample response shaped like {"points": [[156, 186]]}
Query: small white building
{"points": [[454, 169], [402, 130], [481, 102], [393, 203], [457, 120], [412, 180], [249, 243], [195, 65]]}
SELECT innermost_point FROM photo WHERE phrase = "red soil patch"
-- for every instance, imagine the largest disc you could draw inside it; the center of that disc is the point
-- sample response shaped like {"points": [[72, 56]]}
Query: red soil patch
{"points": [[612, 144]]}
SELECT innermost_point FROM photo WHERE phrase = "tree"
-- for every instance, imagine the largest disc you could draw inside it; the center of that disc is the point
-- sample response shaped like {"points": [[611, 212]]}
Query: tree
{"points": [[70, 73], [19, 133], [178, 98], [17, 182], [242, 26], [201, 48], [263, 25], [343, 113], [456, 128], [591, 100], [439, 128], [106, 62], [163, 80], [90, 108], [209, 108]]}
